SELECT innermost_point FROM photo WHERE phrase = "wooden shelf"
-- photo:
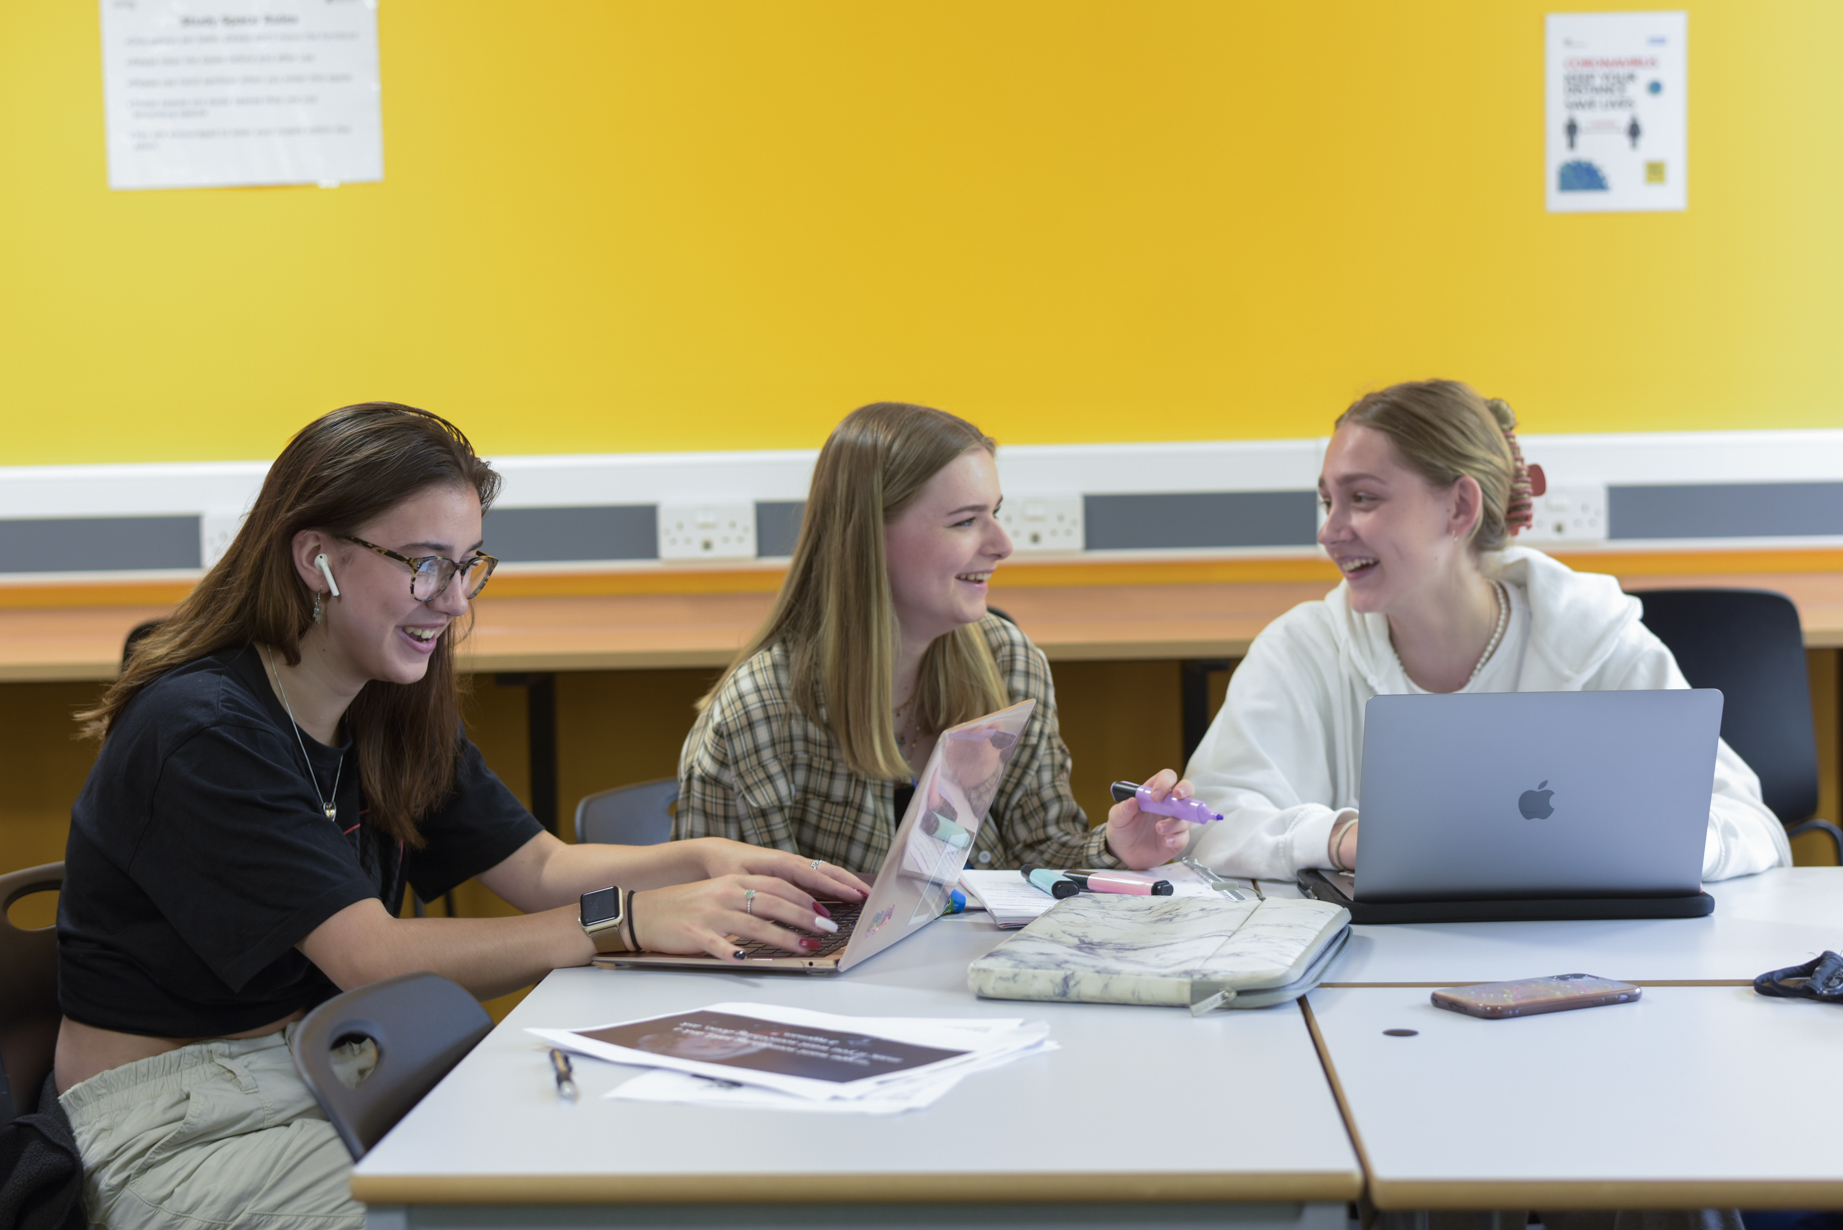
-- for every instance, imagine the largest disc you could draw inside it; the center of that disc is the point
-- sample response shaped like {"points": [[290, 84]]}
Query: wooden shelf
{"points": [[642, 631]]}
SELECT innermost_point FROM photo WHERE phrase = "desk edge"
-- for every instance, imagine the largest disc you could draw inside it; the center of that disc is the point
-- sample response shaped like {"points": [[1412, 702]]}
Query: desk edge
{"points": [[1548, 1194], [1289, 1186]]}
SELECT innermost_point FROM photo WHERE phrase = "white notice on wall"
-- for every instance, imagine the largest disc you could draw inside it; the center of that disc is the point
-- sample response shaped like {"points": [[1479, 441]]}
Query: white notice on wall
{"points": [[241, 92], [1617, 94]]}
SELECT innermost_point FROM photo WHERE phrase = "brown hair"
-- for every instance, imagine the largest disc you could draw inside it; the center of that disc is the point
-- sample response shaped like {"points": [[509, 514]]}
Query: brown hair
{"points": [[834, 614], [1442, 430], [341, 472]]}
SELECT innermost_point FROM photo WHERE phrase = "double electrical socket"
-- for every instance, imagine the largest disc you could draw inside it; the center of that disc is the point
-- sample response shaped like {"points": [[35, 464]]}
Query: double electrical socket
{"points": [[707, 531], [1568, 514], [216, 530], [1041, 524]]}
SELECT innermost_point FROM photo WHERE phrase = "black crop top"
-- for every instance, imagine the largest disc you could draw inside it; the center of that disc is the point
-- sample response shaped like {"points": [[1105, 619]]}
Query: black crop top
{"points": [[200, 855]]}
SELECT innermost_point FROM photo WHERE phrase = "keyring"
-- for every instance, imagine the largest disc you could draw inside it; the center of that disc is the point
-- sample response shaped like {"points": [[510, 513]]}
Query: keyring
{"points": [[748, 902]]}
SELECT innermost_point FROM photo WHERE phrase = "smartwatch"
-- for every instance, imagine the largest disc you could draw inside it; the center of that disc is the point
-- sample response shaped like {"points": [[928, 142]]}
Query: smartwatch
{"points": [[601, 915]]}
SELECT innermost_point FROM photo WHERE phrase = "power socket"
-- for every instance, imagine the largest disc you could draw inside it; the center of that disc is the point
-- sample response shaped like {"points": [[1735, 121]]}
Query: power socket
{"points": [[1568, 514], [216, 530], [1043, 524], [707, 531]]}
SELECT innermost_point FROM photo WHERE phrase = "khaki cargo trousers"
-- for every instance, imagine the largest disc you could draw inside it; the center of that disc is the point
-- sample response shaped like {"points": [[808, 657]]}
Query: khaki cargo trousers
{"points": [[216, 1134]]}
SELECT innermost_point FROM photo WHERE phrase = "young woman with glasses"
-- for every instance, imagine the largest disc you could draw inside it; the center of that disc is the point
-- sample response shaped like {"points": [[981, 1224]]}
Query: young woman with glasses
{"points": [[879, 641], [281, 758]]}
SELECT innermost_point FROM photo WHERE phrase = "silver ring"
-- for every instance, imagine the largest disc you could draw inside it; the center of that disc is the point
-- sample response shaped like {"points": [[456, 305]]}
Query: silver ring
{"points": [[748, 902], [816, 863]]}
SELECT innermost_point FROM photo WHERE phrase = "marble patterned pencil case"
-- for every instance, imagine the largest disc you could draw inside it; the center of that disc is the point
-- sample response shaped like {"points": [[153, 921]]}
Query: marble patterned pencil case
{"points": [[1193, 952]]}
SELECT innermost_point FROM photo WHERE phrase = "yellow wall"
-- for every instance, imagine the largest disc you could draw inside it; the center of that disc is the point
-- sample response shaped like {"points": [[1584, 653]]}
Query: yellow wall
{"points": [[695, 224]]}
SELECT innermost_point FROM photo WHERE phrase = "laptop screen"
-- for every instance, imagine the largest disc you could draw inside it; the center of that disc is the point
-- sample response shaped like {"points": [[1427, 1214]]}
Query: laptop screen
{"points": [[952, 795]]}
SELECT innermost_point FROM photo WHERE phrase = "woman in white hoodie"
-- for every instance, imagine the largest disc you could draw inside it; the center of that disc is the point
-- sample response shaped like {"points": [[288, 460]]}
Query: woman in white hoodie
{"points": [[1423, 486]]}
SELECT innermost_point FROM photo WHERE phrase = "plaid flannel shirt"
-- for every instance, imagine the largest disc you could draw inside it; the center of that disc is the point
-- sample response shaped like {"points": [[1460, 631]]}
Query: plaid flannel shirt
{"points": [[755, 768]]}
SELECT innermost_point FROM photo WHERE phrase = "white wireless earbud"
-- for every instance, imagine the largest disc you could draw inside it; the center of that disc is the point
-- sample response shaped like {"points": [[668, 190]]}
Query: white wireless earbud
{"points": [[327, 572]]}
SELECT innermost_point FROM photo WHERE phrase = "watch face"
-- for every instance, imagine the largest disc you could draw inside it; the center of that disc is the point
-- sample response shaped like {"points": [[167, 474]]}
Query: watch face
{"points": [[600, 906]]}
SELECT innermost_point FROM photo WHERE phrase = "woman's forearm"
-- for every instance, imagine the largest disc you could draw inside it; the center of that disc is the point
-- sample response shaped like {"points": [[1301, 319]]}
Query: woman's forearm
{"points": [[489, 956], [545, 873]]}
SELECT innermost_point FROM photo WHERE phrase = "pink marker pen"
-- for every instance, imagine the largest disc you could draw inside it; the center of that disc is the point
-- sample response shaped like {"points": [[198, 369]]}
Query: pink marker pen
{"points": [[1182, 809], [1109, 882]]}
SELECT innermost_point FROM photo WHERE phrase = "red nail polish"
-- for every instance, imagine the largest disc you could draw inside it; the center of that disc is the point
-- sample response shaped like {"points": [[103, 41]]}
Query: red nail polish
{"points": [[808, 942], [821, 910]]}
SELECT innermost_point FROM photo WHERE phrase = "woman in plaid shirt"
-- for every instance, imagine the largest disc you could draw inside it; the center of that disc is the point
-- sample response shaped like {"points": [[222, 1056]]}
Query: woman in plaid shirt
{"points": [[880, 640]]}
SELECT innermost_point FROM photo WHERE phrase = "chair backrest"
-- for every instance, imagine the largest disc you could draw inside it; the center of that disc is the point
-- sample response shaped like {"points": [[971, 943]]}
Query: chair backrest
{"points": [[636, 815], [1748, 643], [29, 1012], [422, 1025], [135, 636]]}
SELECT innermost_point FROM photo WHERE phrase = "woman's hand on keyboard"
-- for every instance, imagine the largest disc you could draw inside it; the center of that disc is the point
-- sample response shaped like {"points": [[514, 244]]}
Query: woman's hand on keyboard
{"points": [[711, 915], [723, 857]]}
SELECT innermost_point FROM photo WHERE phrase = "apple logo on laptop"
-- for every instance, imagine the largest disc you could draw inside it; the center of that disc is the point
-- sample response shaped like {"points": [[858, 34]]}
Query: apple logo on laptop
{"points": [[1534, 804]]}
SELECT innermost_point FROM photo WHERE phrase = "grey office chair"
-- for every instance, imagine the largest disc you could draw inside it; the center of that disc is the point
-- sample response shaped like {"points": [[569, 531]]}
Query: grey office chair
{"points": [[422, 1025], [29, 1013], [636, 815], [1749, 644], [135, 636], [41, 1172]]}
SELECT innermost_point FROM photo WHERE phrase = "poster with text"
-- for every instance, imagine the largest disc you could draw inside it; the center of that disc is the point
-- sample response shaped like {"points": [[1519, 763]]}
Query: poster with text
{"points": [[1617, 108], [241, 92]]}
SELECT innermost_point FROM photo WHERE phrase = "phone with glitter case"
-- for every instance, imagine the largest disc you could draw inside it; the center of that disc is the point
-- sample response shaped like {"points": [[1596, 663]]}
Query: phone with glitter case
{"points": [[1529, 996]]}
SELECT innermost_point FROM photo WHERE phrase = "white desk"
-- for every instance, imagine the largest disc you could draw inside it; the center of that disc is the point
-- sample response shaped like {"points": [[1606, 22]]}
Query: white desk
{"points": [[1764, 922], [1694, 1097], [1199, 1116]]}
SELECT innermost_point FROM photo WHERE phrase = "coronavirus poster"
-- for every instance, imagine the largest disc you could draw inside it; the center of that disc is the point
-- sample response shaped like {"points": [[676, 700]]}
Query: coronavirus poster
{"points": [[1617, 106]]}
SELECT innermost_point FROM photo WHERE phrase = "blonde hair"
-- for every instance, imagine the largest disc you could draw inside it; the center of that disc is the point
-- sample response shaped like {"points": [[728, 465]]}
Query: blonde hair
{"points": [[834, 615], [1443, 430]]}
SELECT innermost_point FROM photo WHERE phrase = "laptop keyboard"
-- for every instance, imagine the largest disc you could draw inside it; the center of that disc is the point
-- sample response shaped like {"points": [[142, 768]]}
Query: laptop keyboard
{"points": [[845, 914]]}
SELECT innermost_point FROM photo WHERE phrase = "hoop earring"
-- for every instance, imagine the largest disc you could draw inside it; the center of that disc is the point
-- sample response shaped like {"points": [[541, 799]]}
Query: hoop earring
{"points": [[319, 607]]}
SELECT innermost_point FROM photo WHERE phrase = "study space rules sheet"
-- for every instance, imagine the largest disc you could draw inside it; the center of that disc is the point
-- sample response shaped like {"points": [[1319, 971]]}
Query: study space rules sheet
{"points": [[241, 92]]}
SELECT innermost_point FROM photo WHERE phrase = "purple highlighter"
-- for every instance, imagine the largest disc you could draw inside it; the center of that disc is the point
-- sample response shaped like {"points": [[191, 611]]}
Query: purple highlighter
{"points": [[1182, 809]]}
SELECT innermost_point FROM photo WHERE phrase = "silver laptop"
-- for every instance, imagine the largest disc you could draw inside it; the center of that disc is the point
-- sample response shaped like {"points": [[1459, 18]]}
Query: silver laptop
{"points": [[937, 832], [1535, 794]]}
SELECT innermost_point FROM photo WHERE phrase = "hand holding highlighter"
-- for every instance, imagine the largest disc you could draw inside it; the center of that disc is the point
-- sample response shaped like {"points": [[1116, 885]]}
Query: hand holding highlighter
{"points": [[1181, 809]]}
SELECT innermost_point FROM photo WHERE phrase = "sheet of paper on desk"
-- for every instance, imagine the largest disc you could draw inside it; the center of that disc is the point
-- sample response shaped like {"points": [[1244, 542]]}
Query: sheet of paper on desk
{"points": [[818, 1056], [891, 1098]]}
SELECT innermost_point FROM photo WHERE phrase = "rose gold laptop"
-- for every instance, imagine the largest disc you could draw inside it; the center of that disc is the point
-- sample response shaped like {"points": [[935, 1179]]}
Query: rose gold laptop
{"points": [[937, 832]]}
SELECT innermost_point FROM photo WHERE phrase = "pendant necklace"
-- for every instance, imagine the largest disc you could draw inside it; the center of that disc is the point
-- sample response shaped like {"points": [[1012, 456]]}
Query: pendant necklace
{"points": [[905, 746], [329, 806]]}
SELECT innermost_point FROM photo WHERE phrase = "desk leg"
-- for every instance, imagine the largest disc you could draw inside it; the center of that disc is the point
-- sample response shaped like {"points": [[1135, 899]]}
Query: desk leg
{"points": [[1195, 698], [1149, 1216], [541, 727]]}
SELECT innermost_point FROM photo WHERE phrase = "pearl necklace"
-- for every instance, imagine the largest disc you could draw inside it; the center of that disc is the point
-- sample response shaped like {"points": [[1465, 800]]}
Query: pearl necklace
{"points": [[1497, 635], [1502, 600]]}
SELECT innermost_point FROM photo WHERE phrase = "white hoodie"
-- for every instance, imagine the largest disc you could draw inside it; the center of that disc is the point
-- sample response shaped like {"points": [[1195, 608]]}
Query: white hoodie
{"points": [[1283, 758]]}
